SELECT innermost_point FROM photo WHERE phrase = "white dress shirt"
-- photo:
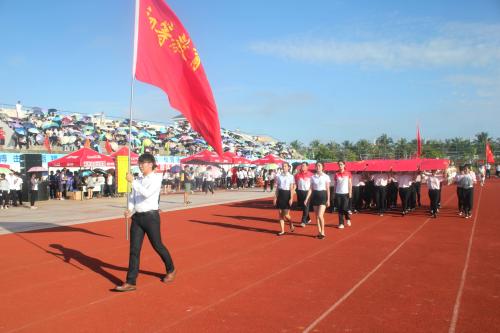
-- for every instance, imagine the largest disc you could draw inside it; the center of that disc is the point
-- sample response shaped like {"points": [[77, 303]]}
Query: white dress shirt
{"points": [[320, 182], [145, 193], [357, 180], [380, 179], [284, 181], [404, 181], [434, 182]]}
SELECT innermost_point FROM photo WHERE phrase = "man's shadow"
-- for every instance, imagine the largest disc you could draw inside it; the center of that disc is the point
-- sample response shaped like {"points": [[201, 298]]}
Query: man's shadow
{"points": [[94, 264]]}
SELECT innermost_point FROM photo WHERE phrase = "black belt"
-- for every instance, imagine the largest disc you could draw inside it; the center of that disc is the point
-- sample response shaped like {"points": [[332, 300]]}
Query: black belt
{"points": [[149, 212]]}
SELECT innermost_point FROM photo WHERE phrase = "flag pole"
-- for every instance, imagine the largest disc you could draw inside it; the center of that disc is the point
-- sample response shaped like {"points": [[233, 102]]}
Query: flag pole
{"points": [[131, 102]]}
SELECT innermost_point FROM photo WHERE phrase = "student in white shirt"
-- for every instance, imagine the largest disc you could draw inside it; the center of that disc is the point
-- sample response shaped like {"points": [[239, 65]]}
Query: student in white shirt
{"points": [[343, 193], [380, 181], [434, 181], [405, 182], [283, 197], [467, 181], [303, 184], [4, 191], [143, 208], [319, 197]]}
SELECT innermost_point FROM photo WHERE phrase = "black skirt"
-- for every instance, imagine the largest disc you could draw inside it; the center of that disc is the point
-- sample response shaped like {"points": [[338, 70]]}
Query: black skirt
{"points": [[318, 198], [283, 201]]}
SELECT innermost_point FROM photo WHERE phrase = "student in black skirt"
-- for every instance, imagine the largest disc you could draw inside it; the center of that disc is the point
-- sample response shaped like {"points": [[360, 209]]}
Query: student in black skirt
{"points": [[319, 197], [283, 198]]}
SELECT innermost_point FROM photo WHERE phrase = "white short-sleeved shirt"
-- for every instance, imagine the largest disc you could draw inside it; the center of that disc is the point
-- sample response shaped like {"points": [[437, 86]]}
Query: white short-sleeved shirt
{"points": [[404, 181], [357, 180], [320, 182], [284, 181], [434, 182], [303, 181], [342, 182], [380, 179]]}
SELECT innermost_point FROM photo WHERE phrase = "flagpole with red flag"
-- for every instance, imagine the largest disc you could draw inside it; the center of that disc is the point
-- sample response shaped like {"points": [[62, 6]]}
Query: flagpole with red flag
{"points": [[419, 142]]}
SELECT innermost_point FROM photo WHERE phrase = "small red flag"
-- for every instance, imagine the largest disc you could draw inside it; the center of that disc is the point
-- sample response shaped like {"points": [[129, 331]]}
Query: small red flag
{"points": [[419, 143], [46, 144], [490, 158], [108, 147], [166, 57]]}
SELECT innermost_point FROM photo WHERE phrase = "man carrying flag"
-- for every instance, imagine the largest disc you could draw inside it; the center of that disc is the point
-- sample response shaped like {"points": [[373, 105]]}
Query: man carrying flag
{"points": [[166, 57]]}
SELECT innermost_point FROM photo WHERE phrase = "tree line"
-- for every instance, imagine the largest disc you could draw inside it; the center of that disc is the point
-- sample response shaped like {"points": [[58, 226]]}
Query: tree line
{"points": [[384, 147]]}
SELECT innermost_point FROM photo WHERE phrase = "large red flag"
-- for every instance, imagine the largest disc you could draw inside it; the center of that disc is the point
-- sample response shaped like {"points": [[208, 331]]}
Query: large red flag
{"points": [[490, 158], [419, 142], [166, 57], [46, 143]]}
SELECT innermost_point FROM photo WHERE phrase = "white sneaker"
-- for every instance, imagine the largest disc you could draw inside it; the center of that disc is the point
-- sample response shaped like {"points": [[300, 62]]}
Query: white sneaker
{"points": [[33, 207], [348, 223], [341, 226]]}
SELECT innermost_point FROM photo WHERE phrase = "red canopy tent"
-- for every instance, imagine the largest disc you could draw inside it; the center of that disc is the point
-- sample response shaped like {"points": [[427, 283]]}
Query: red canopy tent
{"points": [[205, 157], [434, 164], [85, 157], [406, 165], [235, 158], [268, 159], [134, 158]]}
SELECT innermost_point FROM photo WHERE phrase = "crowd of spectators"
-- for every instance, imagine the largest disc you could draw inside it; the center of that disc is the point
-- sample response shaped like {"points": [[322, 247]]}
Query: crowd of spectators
{"points": [[69, 132]]}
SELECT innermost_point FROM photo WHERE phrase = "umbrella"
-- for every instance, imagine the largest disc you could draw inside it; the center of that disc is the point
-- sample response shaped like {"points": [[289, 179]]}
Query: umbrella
{"points": [[5, 170], [272, 166], [173, 139], [28, 124], [37, 169], [186, 138], [147, 142], [144, 134], [37, 111], [175, 168], [40, 138], [33, 131], [49, 124], [16, 125], [20, 131]]}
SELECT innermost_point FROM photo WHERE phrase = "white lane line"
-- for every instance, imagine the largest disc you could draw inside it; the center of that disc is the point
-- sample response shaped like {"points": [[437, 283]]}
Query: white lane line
{"points": [[456, 308]]}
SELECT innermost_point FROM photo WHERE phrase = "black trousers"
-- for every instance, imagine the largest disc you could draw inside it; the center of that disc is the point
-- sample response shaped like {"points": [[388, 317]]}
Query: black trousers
{"points": [[460, 197], [13, 197], [33, 197], [209, 186], [412, 194], [357, 201], [417, 192], [468, 197], [146, 223], [434, 198], [405, 197], [301, 197], [4, 198], [380, 198], [342, 203]]}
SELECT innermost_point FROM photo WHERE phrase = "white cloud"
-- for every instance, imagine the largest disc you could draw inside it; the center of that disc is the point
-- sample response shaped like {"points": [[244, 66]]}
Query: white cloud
{"points": [[452, 45]]}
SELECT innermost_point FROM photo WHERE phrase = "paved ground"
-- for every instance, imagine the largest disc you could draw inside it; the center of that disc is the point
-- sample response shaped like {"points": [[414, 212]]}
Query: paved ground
{"points": [[68, 212]]}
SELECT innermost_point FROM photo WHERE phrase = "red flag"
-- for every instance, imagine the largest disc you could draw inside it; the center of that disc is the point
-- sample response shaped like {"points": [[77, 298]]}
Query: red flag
{"points": [[87, 143], [419, 143], [166, 57], [490, 158], [108, 147], [46, 144]]}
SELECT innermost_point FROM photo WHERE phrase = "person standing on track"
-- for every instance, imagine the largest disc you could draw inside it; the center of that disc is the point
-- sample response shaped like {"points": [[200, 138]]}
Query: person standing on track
{"points": [[434, 181], [319, 197], [358, 185], [405, 181], [283, 198], [143, 208], [468, 180], [303, 184], [343, 194], [380, 181]]}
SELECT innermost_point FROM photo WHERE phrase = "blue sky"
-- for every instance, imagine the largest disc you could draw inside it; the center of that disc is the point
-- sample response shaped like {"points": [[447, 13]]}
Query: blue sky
{"points": [[328, 70]]}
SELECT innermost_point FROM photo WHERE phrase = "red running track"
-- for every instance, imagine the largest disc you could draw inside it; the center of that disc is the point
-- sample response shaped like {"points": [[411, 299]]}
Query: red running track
{"points": [[383, 274]]}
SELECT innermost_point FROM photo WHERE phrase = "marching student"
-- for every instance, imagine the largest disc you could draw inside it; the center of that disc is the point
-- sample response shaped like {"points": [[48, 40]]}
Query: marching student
{"points": [[283, 197], [380, 181], [319, 197], [405, 181], [358, 186], [460, 191], [434, 181], [303, 184], [468, 180], [343, 193]]}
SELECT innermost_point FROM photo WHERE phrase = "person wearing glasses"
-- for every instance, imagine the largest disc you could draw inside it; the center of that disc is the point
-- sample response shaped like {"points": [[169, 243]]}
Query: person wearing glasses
{"points": [[143, 208]]}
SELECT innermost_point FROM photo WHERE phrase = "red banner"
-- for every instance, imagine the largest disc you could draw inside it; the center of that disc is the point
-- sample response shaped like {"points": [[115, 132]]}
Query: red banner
{"points": [[490, 158], [166, 57]]}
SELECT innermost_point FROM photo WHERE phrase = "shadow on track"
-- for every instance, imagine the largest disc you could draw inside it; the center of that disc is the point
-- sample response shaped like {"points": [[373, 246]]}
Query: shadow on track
{"points": [[39, 227], [94, 264], [247, 228]]}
